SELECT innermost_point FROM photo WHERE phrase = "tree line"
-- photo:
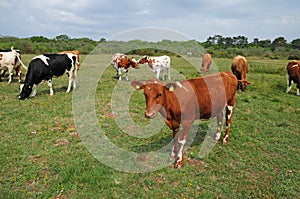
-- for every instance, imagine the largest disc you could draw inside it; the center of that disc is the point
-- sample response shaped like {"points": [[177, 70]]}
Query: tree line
{"points": [[217, 45]]}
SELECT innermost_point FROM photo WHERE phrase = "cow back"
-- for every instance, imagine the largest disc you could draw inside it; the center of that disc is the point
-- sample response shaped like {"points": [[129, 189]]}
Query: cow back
{"points": [[59, 63], [203, 98]]}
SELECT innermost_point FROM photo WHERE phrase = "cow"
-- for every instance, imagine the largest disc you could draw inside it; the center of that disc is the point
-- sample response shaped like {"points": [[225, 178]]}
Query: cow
{"points": [[121, 63], [75, 52], [11, 60], [157, 64], [181, 103], [46, 66], [239, 67], [206, 62], [293, 75]]}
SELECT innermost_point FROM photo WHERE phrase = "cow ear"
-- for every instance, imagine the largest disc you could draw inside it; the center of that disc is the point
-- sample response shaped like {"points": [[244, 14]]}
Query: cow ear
{"points": [[137, 85], [170, 87]]}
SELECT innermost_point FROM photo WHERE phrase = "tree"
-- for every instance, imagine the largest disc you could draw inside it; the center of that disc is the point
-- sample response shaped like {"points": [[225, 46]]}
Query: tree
{"points": [[278, 42], [38, 39], [62, 38], [295, 44]]}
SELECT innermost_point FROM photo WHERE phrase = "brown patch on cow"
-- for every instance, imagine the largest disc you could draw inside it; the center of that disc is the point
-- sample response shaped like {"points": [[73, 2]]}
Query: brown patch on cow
{"points": [[1, 55], [75, 52]]}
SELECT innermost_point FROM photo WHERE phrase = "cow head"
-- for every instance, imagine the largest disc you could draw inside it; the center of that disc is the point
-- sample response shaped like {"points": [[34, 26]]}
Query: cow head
{"points": [[143, 60], [155, 95], [242, 84], [134, 63], [25, 91]]}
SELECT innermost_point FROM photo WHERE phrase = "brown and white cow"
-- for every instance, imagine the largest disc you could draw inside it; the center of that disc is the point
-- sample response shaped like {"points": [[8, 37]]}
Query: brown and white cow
{"points": [[293, 75], [11, 60], [74, 52], [239, 67], [122, 63], [206, 62], [157, 65], [181, 103]]}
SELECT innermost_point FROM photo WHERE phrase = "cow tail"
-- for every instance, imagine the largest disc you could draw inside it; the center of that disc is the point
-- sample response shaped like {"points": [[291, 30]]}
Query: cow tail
{"points": [[22, 63]]}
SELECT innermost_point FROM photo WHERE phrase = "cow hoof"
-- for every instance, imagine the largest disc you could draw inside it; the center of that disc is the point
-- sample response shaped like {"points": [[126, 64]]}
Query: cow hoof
{"points": [[178, 165], [225, 143]]}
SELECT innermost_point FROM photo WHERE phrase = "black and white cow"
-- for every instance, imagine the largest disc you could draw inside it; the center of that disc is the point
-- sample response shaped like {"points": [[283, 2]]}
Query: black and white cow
{"points": [[46, 66]]}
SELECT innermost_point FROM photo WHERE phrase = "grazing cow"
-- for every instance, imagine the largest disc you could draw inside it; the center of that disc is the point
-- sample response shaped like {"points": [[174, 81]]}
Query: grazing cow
{"points": [[11, 60], [157, 64], [75, 52], [122, 63], [293, 75], [239, 67], [206, 62], [183, 102], [46, 66]]}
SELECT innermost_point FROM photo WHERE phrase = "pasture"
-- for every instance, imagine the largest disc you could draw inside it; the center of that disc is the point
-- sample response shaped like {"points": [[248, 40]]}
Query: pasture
{"points": [[43, 156]]}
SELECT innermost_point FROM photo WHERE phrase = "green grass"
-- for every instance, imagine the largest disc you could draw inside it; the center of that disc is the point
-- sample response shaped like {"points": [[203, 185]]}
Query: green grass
{"points": [[43, 157]]}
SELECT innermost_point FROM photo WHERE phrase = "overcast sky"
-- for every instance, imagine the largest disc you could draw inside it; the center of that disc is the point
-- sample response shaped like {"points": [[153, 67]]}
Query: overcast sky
{"points": [[198, 19]]}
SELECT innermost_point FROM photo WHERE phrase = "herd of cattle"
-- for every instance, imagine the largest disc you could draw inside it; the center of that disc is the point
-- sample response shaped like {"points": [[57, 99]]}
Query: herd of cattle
{"points": [[180, 103]]}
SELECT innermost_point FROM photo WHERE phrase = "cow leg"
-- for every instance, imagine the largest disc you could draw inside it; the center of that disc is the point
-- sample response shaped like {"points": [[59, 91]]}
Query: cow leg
{"points": [[34, 90], [289, 84], [74, 79], [181, 142], [229, 110], [298, 87], [169, 74], [157, 73], [11, 73], [119, 73], [126, 75], [70, 82], [220, 123], [19, 72], [50, 86], [175, 144]]}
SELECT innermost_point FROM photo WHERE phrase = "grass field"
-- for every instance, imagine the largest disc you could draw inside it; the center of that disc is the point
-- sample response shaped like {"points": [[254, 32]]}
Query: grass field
{"points": [[42, 155]]}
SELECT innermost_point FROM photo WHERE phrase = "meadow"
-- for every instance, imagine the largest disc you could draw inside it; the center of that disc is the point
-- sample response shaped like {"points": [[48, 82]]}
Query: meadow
{"points": [[43, 154]]}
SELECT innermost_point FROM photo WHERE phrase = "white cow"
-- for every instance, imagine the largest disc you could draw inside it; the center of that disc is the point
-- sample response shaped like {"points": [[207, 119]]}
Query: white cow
{"points": [[11, 60], [157, 64]]}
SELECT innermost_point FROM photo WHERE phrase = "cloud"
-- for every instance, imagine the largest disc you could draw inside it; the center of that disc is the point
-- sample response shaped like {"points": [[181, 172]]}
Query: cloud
{"points": [[102, 18]]}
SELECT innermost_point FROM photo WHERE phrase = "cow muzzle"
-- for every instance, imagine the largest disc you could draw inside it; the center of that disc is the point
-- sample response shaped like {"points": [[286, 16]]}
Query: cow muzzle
{"points": [[150, 115]]}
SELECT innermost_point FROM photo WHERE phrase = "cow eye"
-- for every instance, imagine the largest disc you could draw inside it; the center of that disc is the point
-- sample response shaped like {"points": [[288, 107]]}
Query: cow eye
{"points": [[159, 95]]}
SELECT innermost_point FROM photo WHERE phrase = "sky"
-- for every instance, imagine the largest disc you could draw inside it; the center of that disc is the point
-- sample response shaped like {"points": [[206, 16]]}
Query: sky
{"points": [[197, 19]]}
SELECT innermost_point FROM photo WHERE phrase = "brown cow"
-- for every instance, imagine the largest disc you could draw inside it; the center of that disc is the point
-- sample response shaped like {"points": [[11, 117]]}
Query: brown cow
{"points": [[75, 52], [239, 67], [293, 74], [206, 62], [121, 63], [183, 102]]}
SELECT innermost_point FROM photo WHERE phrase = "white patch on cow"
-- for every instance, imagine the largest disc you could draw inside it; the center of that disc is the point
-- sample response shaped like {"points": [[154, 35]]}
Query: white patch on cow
{"points": [[43, 58], [21, 87], [173, 154], [230, 108], [181, 146], [218, 136], [294, 66], [50, 86], [298, 92], [148, 88], [181, 86], [225, 139], [34, 90]]}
